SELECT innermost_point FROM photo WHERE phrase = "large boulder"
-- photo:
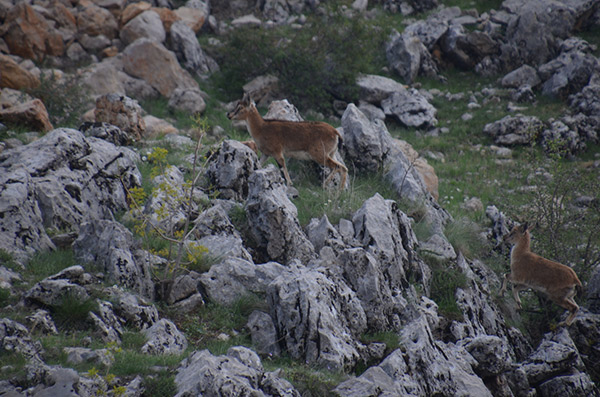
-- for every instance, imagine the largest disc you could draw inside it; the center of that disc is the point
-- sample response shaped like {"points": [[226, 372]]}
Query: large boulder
{"points": [[374, 88], [58, 182], [28, 34], [318, 317], [152, 62], [273, 219], [164, 338], [16, 77], [239, 372], [233, 279], [230, 169], [122, 112], [366, 142], [147, 24], [408, 57], [410, 108], [32, 114], [184, 44], [111, 246], [514, 130]]}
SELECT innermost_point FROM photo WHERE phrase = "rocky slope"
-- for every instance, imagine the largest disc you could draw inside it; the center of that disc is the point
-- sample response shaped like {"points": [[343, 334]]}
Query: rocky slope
{"points": [[324, 285]]}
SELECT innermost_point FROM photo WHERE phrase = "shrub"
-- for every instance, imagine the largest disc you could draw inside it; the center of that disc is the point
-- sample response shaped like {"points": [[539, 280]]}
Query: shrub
{"points": [[66, 99], [315, 64]]}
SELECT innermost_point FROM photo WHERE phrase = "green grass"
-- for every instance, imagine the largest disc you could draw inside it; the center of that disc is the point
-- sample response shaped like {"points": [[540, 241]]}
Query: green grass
{"points": [[208, 323], [446, 279], [308, 380], [313, 201], [45, 264]]}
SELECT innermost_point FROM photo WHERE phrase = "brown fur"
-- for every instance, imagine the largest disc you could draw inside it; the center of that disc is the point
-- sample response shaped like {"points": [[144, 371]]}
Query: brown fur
{"points": [[280, 139], [528, 270]]}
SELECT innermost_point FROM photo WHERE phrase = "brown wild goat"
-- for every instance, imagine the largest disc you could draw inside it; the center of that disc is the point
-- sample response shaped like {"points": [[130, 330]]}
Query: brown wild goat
{"points": [[528, 270], [303, 140]]}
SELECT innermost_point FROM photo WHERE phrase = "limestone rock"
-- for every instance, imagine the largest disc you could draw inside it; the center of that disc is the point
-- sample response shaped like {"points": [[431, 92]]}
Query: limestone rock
{"points": [[164, 338], [94, 20], [189, 101], [29, 35], [147, 24], [235, 278], [374, 89], [521, 76], [32, 114], [184, 44], [273, 219], [15, 337], [152, 62], [514, 130], [410, 108], [263, 334], [16, 77], [318, 317], [239, 372], [110, 245], [122, 112]]}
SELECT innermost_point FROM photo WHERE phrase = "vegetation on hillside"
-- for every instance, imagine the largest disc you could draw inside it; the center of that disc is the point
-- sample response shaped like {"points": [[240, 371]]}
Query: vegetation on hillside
{"points": [[318, 65]]}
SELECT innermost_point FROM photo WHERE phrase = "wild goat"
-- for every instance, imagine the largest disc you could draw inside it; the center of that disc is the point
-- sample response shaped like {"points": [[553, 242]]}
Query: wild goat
{"points": [[528, 270], [303, 140]]}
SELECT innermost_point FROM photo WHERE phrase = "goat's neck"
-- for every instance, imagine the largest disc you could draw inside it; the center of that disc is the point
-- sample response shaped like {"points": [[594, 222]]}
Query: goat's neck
{"points": [[522, 246], [255, 122]]}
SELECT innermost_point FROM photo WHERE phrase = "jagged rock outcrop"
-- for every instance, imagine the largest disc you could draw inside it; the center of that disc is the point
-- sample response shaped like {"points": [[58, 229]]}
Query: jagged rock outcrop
{"points": [[230, 169], [273, 221], [318, 317], [58, 182], [239, 372], [111, 246]]}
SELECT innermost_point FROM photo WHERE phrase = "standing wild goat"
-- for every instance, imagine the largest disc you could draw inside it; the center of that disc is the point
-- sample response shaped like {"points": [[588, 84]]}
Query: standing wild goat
{"points": [[303, 140], [528, 270]]}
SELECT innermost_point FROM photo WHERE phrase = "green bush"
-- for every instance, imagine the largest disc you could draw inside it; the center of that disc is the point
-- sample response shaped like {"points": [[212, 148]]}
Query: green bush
{"points": [[66, 99], [315, 64], [72, 312]]}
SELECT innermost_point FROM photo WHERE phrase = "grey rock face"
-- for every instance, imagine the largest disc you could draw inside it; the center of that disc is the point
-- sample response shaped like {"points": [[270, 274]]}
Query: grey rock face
{"points": [[231, 168], [164, 338], [556, 355], [491, 353], [58, 181], [110, 245], [42, 322], [570, 134], [318, 317], [239, 372], [521, 76], [135, 310], [374, 89], [184, 44], [365, 142], [386, 233], [568, 73], [423, 366], [410, 108], [106, 131], [235, 278], [263, 333], [514, 130], [147, 24], [14, 337], [52, 292], [187, 100], [273, 221], [408, 57], [106, 323]]}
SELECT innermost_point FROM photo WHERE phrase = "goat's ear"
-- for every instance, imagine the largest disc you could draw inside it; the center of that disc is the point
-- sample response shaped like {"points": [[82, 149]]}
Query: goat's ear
{"points": [[524, 227], [246, 98]]}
